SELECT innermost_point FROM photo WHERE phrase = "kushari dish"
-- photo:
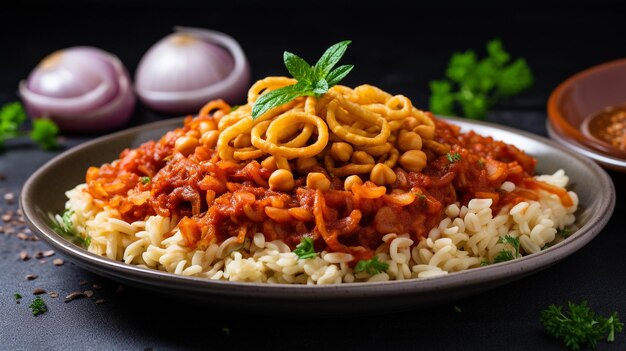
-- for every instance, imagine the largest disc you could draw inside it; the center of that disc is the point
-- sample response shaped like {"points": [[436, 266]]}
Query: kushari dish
{"points": [[357, 185]]}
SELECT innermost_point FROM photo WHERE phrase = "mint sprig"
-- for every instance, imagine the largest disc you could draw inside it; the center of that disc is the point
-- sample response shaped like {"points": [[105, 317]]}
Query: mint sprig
{"points": [[312, 80]]}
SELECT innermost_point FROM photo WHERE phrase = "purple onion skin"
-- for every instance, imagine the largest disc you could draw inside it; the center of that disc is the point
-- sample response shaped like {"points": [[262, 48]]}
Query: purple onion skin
{"points": [[176, 97], [83, 69]]}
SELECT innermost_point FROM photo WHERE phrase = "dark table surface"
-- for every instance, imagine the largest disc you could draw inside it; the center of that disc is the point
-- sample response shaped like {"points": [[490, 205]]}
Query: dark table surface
{"points": [[393, 48]]}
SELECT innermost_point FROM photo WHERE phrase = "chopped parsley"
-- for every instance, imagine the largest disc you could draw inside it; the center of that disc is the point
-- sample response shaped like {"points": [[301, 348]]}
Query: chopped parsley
{"points": [[144, 180], [371, 266], [12, 116], [453, 157], [565, 232], [17, 297], [579, 326], [38, 306], [305, 249], [506, 255]]}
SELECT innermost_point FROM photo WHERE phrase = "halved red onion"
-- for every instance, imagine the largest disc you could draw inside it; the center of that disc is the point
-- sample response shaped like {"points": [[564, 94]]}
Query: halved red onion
{"points": [[81, 89], [186, 69]]}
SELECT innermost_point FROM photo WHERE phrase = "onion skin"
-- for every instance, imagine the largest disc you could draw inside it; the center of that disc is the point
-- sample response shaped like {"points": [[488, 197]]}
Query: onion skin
{"points": [[185, 70], [83, 89]]}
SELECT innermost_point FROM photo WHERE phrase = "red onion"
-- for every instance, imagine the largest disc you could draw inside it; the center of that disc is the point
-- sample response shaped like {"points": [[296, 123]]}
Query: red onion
{"points": [[81, 89], [184, 70]]}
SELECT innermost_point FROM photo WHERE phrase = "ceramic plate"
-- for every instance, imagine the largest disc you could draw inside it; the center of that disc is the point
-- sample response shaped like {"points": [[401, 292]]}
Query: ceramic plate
{"points": [[43, 194]]}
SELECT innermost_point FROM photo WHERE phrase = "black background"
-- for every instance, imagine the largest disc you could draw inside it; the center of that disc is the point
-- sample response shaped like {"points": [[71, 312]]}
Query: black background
{"points": [[393, 47]]}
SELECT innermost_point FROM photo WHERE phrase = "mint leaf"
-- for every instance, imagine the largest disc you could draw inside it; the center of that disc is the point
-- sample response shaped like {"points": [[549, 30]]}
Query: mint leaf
{"points": [[279, 97], [297, 66], [312, 81], [321, 87], [339, 73], [330, 58]]}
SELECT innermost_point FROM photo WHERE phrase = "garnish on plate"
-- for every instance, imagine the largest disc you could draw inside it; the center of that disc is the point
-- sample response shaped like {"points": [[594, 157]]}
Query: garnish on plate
{"points": [[312, 80], [371, 266], [305, 249]]}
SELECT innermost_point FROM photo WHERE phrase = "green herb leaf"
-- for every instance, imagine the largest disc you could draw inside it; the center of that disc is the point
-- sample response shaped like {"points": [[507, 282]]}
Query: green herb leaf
{"points": [[279, 97], [371, 266], [453, 157], [305, 249], [579, 326], [457, 309], [38, 306], [45, 133], [330, 58], [339, 73], [312, 81], [297, 67], [144, 180], [17, 296], [476, 85], [506, 255], [565, 232]]}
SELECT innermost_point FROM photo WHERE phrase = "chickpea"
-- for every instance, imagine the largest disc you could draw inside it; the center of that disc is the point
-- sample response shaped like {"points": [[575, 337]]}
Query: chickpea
{"points": [[362, 158], [193, 133], [305, 163], [350, 181], [186, 145], [209, 138], [341, 151], [241, 141], [281, 180], [411, 122], [426, 132], [413, 160], [269, 163], [382, 175], [316, 180], [409, 141], [207, 125]]}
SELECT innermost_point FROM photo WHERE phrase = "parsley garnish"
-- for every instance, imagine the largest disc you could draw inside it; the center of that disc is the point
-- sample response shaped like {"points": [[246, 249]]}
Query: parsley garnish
{"points": [[305, 249], [144, 180], [454, 157], [479, 84], [506, 255], [371, 266], [565, 232], [12, 116], [38, 306], [17, 296], [579, 326], [312, 80]]}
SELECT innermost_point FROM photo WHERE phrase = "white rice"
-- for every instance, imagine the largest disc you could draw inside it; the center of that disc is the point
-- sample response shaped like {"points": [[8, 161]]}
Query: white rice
{"points": [[467, 237]]}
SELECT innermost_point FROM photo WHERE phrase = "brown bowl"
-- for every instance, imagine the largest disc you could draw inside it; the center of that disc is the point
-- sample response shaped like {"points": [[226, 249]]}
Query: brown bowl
{"points": [[581, 97]]}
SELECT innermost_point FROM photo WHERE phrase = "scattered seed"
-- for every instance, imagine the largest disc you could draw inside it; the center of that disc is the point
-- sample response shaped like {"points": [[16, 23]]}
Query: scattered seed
{"points": [[7, 216], [58, 262], [88, 293], [73, 296], [120, 289], [24, 256], [42, 261], [38, 255], [100, 301], [38, 291], [22, 236], [82, 282], [9, 197], [97, 286], [32, 277], [48, 253], [53, 294]]}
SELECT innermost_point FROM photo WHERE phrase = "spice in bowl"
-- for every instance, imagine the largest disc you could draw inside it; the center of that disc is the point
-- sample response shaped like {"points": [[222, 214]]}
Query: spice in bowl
{"points": [[609, 125]]}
